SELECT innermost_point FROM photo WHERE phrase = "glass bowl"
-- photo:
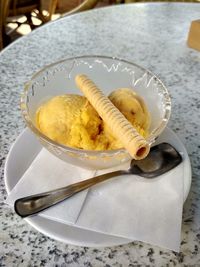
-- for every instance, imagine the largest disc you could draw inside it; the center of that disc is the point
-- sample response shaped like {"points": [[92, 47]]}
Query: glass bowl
{"points": [[109, 74]]}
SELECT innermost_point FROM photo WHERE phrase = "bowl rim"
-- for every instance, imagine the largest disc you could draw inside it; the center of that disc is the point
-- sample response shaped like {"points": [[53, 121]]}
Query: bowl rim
{"points": [[155, 133]]}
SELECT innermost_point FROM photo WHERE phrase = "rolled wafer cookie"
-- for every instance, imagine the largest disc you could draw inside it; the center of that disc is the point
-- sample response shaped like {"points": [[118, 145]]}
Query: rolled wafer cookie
{"points": [[121, 128]]}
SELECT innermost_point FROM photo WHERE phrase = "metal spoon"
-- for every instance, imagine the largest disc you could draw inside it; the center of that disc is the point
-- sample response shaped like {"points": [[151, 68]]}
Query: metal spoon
{"points": [[162, 158]]}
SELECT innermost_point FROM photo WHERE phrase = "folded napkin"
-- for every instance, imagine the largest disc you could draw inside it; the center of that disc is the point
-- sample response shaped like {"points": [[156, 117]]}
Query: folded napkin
{"points": [[127, 206], [47, 172], [133, 207]]}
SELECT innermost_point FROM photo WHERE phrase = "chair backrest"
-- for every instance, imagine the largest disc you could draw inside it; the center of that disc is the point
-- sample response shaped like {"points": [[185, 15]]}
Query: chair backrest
{"points": [[4, 4], [142, 1], [85, 5], [22, 7]]}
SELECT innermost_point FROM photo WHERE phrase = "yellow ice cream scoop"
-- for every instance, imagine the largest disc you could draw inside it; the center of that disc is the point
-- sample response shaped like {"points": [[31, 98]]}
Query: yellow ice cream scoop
{"points": [[121, 128], [133, 108], [70, 120], [55, 116]]}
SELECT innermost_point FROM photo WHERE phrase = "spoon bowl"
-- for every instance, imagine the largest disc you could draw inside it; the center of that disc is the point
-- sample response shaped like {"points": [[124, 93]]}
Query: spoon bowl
{"points": [[161, 159]]}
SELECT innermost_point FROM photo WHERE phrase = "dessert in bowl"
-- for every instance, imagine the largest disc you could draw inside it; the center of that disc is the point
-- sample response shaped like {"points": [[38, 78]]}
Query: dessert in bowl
{"points": [[57, 81]]}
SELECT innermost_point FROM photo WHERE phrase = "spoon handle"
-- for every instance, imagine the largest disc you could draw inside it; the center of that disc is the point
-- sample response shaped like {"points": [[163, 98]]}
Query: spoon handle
{"points": [[35, 203]]}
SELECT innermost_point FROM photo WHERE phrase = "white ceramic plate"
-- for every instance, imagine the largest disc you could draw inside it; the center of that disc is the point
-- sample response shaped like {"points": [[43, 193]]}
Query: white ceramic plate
{"points": [[22, 153]]}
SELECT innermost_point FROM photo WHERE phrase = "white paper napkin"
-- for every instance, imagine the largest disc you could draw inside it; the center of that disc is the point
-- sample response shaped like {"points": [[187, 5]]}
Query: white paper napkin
{"points": [[127, 206], [47, 172], [133, 207]]}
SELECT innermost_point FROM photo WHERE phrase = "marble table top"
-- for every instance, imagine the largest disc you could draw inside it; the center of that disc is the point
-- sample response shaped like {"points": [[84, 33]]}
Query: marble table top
{"points": [[152, 35]]}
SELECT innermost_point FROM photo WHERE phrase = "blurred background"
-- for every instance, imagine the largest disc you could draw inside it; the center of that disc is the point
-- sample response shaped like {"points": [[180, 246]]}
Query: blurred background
{"points": [[19, 17]]}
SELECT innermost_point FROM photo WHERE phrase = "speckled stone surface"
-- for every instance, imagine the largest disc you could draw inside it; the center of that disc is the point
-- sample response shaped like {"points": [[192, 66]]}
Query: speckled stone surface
{"points": [[151, 35]]}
